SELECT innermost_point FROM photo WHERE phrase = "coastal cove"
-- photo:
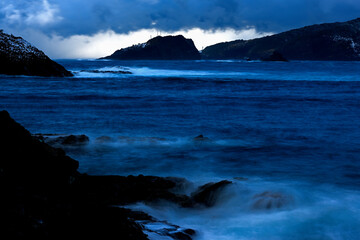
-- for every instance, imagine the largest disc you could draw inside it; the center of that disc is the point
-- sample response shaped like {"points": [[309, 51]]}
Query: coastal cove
{"points": [[180, 120], [285, 134]]}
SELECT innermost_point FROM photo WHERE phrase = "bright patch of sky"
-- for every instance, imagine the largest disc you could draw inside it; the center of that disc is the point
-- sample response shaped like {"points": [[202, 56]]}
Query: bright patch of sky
{"points": [[105, 43]]}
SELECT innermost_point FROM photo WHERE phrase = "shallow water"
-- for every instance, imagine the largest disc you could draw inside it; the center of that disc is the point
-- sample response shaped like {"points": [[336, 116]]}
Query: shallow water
{"points": [[291, 129]]}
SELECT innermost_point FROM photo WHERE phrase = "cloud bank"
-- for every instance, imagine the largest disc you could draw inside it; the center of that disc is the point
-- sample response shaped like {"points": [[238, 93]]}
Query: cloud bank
{"points": [[69, 17], [105, 43]]}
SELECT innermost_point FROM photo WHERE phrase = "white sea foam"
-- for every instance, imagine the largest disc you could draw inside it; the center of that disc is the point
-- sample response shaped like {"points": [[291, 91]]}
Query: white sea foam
{"points": [[84, 74], [115, 72], [124, 140], [313, 213], [237, 61], [155, 236], [215, 69]]}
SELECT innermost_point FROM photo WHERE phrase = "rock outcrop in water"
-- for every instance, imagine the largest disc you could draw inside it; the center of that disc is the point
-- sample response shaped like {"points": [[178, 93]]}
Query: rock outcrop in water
{"points": [[159, 48], [18, 57], [59, 140], [208, 194], [44, 196], [330, 41], [271, 200]]}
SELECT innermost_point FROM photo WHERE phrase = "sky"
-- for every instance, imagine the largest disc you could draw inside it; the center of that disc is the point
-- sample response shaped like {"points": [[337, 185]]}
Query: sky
{"points": [[96, 28]]}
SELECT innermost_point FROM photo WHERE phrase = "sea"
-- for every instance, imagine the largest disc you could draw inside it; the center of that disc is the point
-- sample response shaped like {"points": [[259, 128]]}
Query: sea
{"points": [[287, 134]]}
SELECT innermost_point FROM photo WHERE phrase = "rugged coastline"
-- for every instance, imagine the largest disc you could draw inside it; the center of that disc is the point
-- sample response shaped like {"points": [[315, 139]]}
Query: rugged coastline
{"points": [[44, 196], [321, 42]]}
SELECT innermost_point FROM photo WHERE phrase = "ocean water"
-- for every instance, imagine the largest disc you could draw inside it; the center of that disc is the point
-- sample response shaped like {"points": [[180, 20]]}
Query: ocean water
{"points": [[286, 134]]}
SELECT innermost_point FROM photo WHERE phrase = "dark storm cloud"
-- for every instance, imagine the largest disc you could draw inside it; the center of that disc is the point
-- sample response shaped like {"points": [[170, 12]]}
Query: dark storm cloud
{"points": [[69, 17]]}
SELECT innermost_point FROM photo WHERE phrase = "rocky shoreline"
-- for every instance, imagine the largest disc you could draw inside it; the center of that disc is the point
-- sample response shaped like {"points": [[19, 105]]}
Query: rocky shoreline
{"points": [[19, 57], [44, 196]]}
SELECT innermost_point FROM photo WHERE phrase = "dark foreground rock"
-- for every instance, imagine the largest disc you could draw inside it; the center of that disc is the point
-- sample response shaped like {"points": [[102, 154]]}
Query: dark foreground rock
{"points": [[18, 57], [44, 196], [159, 48]]}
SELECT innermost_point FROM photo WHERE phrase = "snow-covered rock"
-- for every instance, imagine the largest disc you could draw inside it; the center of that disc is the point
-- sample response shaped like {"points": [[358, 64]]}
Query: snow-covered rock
{"points": [[19, 57]]}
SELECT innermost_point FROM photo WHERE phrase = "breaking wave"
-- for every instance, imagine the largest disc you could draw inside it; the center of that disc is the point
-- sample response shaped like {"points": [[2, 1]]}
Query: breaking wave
{"points": [[235, 69], [257, 209], [126, 72]]}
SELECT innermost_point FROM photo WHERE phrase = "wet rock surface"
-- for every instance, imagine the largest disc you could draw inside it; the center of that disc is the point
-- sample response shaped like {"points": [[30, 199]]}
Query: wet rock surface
{"points": [[269, 200], [156, 228], [208, 194], [61, 139], [44, 196]]}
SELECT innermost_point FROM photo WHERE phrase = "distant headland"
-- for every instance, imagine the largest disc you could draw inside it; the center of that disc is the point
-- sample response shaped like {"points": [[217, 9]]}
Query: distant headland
{"points": [[159, 48], [330, 41], [338, 41]]}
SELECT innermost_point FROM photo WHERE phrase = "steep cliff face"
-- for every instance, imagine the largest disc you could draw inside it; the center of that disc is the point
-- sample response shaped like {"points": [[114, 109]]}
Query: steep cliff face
{"points": [[159, 48], [330, 41], [18, 57]]}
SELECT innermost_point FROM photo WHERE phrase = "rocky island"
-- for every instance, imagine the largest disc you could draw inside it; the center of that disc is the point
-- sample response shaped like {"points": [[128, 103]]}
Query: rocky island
{"points": [[159, 48], [330, 41], [18, 57]]}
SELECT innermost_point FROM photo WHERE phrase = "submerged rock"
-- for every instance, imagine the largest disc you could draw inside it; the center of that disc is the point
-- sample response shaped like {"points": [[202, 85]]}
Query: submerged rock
{"points": [[74, 140], [18, 57], [201, 138], [59, 139], [271, 200], [104, 139], [182, 185], [209, 193]]}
